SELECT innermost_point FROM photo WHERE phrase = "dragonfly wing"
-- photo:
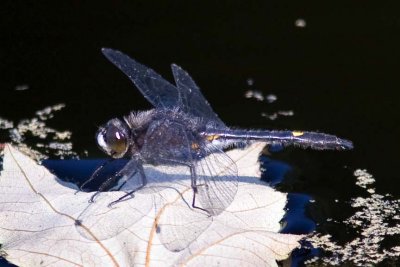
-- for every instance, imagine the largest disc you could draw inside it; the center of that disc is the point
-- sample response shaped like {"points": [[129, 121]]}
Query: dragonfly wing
{"points": [[170, 145], [192, 100], [215, 174], [158, 91], [178, 224], [217, 181]]}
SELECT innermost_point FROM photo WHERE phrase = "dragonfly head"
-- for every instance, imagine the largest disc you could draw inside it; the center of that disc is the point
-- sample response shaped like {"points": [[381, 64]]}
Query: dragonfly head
{"points": [[113, 138]]}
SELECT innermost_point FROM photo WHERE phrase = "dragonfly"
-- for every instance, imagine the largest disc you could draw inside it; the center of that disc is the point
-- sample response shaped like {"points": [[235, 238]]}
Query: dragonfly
{"points": [[183, 130], [181, 133]]}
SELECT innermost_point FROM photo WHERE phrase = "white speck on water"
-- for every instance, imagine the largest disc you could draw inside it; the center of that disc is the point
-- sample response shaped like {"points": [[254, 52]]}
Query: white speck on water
{"points": [[271, 117], [300, 23], [271, 98], [254, 94], [286, 113], [275, 115], [250, 81], [21, 87]]}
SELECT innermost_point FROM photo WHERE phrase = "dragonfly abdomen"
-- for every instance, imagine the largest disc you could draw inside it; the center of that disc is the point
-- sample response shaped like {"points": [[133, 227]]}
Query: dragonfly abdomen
{"points": [[313, 140]]}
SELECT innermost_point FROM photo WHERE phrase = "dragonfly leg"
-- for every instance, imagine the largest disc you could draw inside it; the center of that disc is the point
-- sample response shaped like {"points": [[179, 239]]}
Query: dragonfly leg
{"points": [[130, 193], [103, 187], [94, 175], [193, 178], [194, 188], [91, 200]]}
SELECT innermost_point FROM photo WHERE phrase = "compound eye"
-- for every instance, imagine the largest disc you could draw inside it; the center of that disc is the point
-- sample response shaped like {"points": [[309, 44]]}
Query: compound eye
{"points": [[113, 139], [116, 140]]}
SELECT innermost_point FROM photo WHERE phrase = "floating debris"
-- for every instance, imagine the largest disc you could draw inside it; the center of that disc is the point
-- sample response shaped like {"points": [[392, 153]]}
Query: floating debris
{"points": [[300, 23], [376, 221], [275, 115], [271, 98], [48, 141], [48, 112], [365, 178], [250, 82], [5, 124], [257, 95], [21, 87], [16, 136]]}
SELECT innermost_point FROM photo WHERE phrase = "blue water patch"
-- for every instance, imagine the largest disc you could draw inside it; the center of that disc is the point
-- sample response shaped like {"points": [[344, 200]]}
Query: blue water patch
{"points": [[78, 171], [4, 263], [274, 171], [295, 220]]}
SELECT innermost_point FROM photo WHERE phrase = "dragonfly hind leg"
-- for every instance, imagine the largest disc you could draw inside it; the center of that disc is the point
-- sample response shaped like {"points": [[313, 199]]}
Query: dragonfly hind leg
{"points": [[193, 179], [194, 186]]}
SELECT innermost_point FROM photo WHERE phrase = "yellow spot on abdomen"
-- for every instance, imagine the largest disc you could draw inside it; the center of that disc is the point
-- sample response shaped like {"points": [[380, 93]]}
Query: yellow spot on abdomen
{"points": [[212, 137], [297, 133]]}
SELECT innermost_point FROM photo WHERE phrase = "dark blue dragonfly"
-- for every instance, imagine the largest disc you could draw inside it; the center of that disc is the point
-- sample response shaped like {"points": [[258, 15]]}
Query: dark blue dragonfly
{"points": [[182, 129]]}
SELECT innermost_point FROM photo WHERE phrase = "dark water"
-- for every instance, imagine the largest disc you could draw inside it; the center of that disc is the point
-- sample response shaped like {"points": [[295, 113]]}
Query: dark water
{"points": [[339, 74]]}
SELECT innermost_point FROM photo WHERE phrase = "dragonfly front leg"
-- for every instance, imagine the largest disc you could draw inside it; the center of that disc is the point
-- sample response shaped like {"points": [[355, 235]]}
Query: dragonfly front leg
{"points": [[105, 185], [94, 175], [130, 193]]}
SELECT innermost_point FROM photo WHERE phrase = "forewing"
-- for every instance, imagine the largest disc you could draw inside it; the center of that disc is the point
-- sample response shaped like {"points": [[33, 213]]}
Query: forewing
{"points": [[216, 181], [159, 92], [193, 101]]}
